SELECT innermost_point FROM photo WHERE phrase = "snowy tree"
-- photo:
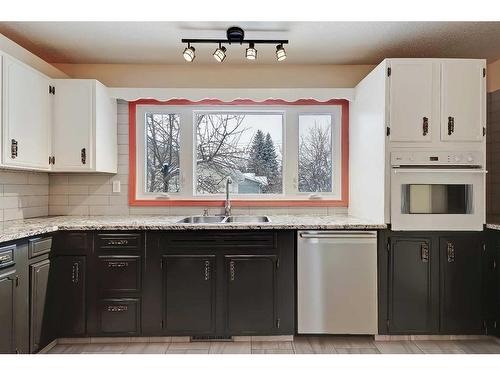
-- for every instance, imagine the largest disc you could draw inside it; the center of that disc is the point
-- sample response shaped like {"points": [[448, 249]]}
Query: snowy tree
{"points": [[315, 160], [272, 168], [256, 161]]}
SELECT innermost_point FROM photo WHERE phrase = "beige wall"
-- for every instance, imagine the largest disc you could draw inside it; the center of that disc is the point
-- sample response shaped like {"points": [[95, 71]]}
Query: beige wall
{"points": [[494, 76], [220, 75]]}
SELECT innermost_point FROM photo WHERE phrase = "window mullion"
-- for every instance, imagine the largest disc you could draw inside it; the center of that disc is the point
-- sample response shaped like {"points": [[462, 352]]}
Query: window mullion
{"points": [[187, 153]]}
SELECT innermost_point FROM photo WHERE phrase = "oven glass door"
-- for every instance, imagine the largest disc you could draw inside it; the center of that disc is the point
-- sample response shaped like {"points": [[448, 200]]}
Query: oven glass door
{"points": [[437, 199]]}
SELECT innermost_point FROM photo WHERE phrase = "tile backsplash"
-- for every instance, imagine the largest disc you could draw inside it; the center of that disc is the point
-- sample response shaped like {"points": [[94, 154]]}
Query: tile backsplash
{"points": [[91, 194], [23, 194]]}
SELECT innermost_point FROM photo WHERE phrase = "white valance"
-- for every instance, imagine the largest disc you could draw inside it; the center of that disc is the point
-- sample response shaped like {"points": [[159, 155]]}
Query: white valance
{"points": [[227, 95]]}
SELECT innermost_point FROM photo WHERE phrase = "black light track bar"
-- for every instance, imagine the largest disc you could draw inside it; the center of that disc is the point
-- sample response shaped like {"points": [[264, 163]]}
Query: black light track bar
{"points": [[227, 41]]}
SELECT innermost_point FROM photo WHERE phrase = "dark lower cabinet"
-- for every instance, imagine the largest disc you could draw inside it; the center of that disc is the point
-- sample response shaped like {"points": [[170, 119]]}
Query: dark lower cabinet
{"points": [[461, 284], [219, 283], [412, 286], [7, 310], [69, 304], [251, 294], [39, 309], [431, 283], [119, 316], [189, 294]]}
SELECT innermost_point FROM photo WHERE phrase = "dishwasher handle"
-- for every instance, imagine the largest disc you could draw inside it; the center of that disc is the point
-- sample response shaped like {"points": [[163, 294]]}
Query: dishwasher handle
{"points": [[339, 234]]}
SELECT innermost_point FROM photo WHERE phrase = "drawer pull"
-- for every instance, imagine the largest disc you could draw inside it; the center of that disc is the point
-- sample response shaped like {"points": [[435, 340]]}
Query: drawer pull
{"points": [[117, 242], [425, 126], [117, 264], [5, 258], [207, 270], [117, 308]]}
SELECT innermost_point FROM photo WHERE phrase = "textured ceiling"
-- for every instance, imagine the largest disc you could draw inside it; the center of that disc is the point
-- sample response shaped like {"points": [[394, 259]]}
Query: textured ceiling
{"points": [[310, 42]]}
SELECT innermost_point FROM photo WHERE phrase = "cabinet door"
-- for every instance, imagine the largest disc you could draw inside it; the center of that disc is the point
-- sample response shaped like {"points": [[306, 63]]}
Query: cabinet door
{"points": [[412, 297], [412, 101], [189, 294], [73, 115], [251, 294], [463, 98], [496, 285], [26, 116], [461, 284], [39, 279], [7, 316], [71, 295]]}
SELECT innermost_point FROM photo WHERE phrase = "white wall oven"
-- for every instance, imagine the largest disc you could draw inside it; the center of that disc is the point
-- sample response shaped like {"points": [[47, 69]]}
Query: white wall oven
{"points": [[437, 191]]}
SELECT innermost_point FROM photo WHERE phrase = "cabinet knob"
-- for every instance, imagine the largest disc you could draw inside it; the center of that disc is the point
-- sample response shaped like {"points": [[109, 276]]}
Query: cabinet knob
{"points": [[450, 250], [451, 125], [83, 155], [425, 126], [424, 252]]}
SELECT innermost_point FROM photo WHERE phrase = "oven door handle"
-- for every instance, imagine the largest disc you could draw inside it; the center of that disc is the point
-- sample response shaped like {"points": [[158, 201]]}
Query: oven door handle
{"points": [[412, 170]]}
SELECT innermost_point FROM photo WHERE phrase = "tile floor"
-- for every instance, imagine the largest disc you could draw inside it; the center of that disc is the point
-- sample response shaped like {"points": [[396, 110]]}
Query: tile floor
{"points": [[300, 345]]}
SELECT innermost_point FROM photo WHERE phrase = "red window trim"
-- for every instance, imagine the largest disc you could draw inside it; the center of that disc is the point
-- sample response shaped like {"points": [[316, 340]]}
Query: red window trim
{"points": [[343, 202]]}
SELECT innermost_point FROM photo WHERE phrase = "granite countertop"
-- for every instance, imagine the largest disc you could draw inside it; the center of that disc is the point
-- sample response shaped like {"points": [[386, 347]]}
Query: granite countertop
{"points": [[17, 229], [493, 226]]}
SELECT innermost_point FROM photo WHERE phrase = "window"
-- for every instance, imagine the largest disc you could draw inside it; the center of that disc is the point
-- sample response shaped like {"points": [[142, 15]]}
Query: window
{"points": [[315, 153], [246, 147], [162, 152], [273, 154]]}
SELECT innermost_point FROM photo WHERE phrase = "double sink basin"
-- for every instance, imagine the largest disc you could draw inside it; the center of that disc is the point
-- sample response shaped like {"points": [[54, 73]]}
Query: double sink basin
{"points": [[224, 219]]}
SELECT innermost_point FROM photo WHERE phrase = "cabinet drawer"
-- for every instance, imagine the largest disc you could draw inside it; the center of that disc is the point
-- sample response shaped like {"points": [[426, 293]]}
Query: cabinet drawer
{"points": [[76, 243], [7, 256], [119, 273], [39, 246], [121, 241], [119, 316], [221, 239]]}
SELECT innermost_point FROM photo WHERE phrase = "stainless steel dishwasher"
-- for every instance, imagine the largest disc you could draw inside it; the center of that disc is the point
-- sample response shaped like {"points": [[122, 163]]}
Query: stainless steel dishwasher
{"points": [[337, 282]]}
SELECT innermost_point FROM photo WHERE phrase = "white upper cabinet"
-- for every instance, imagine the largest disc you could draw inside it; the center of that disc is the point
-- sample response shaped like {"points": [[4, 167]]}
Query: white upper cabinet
{"points": [[26, 116], [411, 100], [463, 109], [84, 127], [436, 100]]}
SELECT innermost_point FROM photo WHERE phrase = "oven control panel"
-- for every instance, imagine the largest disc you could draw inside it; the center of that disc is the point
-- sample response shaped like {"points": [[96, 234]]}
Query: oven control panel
{"points": [[472, 158]]}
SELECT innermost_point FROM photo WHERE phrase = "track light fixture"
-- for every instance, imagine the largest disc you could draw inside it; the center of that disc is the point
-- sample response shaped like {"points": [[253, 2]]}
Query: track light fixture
{"points": [[280, 52], [235, 35], [220, 53], [188, 53], [251, 52]]}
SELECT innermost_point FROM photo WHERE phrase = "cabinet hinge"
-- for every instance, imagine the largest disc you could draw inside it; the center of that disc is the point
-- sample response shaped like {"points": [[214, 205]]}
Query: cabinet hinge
{"points": [[484, 131], [278, 321], [162, 323], [387, 323], [278, 263], [389, 71], [388, 245], [484, 247], [388, 131], [17, 281], [484, 72]]}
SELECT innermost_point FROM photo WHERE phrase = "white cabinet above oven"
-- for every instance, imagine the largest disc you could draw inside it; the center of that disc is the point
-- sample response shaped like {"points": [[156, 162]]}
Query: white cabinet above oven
{"points": [[436, 100]]}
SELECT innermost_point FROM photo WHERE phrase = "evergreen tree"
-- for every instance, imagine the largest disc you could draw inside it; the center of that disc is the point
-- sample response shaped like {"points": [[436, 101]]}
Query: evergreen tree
{"points": [[272, 168], [256, 163]]}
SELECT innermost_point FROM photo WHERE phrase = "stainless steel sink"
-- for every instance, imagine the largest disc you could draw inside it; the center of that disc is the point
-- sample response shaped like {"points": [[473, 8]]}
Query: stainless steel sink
{"points": [[246, 219], [224, 219], [202, 220]]}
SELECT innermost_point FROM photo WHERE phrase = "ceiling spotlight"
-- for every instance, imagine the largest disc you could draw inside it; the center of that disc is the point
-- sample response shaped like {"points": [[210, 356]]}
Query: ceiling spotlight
{"points": [[280, 52], [188, 53], [220, 53], [251, 52]]}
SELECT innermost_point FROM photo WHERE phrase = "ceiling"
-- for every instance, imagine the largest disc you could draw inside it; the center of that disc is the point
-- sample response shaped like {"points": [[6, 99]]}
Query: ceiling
{"points": [[310, 42]]}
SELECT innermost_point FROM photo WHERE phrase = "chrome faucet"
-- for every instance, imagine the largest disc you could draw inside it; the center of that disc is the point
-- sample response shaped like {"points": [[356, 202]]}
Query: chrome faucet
{"points": [[227, 205]]}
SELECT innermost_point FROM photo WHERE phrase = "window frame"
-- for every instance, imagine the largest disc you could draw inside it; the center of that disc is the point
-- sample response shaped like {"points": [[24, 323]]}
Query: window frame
{"points": [[290, 139]]}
